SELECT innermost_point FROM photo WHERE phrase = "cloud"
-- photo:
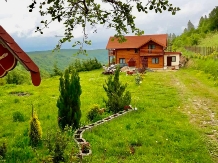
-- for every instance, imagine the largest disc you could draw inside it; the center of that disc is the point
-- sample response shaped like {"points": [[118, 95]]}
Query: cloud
{"points": [[21, 24]]}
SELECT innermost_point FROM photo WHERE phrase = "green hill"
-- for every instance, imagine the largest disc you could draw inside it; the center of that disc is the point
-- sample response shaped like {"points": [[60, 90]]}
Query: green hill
{"points": [[211, 39], [46, 59]]}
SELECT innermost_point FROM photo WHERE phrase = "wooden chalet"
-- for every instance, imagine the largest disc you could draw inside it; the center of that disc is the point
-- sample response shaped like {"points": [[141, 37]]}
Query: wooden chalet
{"points": [[11, 53], [146, 51]]}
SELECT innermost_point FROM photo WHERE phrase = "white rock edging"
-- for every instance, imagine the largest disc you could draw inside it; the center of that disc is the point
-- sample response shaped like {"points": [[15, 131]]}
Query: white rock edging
{"points": [[79, 132]]}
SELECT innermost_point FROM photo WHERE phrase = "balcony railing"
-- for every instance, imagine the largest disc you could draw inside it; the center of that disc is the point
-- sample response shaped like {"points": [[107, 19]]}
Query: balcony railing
{"points": [[111, 52], [150, 51]]}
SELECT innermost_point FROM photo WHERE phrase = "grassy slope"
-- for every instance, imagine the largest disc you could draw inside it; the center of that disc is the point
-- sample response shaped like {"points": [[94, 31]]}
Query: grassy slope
{"points": [[46, 59], [158, 130], [210, 40]]}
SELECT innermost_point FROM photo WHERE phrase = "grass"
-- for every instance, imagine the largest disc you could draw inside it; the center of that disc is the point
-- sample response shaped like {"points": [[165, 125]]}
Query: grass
{"points": [[157, 132], [161, 132], [210, 40]]}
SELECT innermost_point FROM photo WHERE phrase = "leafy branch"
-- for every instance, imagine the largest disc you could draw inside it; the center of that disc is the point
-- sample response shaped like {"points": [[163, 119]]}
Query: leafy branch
{"points": [[82, 13]]}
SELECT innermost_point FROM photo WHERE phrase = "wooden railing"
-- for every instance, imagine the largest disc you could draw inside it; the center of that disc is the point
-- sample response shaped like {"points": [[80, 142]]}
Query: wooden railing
{"points": [[150, 51], [111, 52]]}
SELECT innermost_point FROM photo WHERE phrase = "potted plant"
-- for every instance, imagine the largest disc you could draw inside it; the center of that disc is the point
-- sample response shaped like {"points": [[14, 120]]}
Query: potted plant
{"points": [[85, 147]]}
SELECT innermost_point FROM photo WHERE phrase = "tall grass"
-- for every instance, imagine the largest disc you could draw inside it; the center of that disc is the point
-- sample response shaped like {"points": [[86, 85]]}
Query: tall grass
{"points": [[205, 63]]}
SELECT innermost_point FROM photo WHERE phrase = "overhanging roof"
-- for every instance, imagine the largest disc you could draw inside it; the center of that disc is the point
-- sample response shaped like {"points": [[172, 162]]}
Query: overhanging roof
{"points": [[10, 53], [137, 41]]}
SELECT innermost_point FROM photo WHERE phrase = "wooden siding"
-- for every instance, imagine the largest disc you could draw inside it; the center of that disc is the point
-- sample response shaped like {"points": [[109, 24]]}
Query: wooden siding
{"points": [[159, 65], [127, 54], [144, 50], [157, 52]]}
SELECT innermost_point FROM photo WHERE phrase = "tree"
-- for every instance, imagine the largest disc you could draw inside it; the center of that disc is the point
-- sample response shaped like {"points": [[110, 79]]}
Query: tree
{"points": [[117, 97], [190, 26], [213, 19], [84, 13], [56, 70], [68, 103], [35, 132]]}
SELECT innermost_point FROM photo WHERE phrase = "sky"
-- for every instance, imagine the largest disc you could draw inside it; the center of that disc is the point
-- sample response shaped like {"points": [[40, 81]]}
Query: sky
{"points": [[21, 24]]}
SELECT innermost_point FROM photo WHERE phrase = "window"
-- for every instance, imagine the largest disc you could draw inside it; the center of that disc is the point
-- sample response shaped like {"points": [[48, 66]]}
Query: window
{"points": [[151, 46], [136, 50], [122, 60], [173, 58], [155, 60]]}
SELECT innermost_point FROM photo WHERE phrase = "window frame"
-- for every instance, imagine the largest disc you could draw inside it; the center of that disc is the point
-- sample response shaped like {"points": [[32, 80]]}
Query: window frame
{"points": [[122, 59], [151, 46], [173, 57], [155, 59]]}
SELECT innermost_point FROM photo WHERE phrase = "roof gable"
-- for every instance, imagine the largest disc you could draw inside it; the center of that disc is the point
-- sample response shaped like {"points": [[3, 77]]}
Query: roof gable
{"points": [[136, 41], [10, 53]]}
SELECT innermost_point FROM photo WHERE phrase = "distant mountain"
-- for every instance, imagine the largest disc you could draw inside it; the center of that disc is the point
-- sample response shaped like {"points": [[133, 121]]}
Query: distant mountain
{"points": [[46, 59]]}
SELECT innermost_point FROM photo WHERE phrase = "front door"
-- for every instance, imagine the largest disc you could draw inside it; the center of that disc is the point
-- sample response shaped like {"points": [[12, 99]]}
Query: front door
{"points": [[169, 61], [145, 62]]}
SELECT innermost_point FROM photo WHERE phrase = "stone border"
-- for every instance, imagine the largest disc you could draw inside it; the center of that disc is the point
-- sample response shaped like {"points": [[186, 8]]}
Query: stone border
{"points": [[79, 132]]}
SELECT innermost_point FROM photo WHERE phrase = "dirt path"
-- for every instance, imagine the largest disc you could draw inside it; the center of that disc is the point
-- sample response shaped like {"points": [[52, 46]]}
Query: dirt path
{"points": [[199, 102]]}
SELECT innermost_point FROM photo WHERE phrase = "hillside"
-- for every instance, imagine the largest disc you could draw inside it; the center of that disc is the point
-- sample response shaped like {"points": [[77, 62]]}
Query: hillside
{"points": [[46, 59], [179, 128], [211, 39]]}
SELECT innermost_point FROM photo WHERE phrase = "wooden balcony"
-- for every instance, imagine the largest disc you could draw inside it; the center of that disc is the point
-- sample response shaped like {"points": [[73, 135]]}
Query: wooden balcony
{"points": [[151, 52], [111, 52]]}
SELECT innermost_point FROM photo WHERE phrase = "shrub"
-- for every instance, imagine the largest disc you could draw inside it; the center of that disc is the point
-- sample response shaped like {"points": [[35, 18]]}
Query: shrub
{"points": [[138, 79], [18, 117], [61, 142], [56, 70], [117, 97], [2, 81], [35, 132], [17, 77], [68, 103], [3, 150], [86, 65], [93, 113]]}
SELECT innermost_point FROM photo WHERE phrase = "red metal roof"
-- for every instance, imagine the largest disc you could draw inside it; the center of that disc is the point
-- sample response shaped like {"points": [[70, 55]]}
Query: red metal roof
{"points": [[137, 41], [10, 52]]}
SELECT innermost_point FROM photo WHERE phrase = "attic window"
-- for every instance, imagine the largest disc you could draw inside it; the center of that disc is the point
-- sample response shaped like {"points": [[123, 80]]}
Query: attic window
{"points": [[136, 50], [151, 46]]}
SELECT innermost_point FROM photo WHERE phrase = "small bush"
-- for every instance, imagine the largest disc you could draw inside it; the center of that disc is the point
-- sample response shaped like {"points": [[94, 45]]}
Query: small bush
{"points": [[18, 117], [16, 100], [116, 92], [17, 77], [61, 142], [2, 81], [86, 65], [3, 150], [93, 113], [35, 133]]}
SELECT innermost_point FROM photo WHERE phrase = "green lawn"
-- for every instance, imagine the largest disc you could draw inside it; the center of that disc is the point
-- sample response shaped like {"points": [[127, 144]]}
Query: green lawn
{"points": [[159, 131]]}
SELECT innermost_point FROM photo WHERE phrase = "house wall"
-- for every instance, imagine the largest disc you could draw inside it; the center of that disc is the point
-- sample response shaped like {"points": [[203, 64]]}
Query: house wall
{"points": [[144, 49], [142, 52], [176, 63], [127, 54], [159, 65]]}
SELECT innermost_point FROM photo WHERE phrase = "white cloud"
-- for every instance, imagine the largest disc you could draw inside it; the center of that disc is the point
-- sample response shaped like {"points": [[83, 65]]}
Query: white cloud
{"points": [[17, 21]]}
